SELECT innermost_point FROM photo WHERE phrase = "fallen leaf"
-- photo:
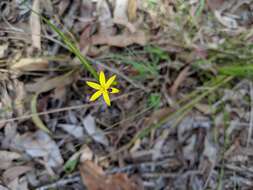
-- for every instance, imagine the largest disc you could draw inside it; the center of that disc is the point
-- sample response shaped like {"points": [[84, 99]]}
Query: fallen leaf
{"points": [[18, 184], [35, 25], [46, 84], [225, 20], [94, 178], [120, 40], [76, 131], [29, 64], [7, 158], [86, 153], [14, 172], [120, 14], [40, 144], [3, 50], [96, 133]]}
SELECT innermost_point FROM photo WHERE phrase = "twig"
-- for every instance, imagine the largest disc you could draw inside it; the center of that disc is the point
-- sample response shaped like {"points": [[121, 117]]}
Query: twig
{"points": [[59, 183]]}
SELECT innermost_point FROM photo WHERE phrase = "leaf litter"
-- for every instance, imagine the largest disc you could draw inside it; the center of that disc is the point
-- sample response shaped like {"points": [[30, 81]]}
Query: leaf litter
{"points": [[196, 135]]}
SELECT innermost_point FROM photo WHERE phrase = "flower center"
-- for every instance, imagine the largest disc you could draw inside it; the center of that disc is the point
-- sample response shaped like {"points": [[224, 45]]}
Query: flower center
{"points": [[103, 89]]}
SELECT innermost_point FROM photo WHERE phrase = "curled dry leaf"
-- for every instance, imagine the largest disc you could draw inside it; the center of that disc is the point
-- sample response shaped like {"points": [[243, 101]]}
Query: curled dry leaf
{"points": [[29, 64], [95, 178], [120, 40], [40, 144], [96, 133]]}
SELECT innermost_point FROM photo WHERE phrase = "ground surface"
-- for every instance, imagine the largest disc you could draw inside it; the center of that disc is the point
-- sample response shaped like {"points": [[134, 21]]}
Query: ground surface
{"points": [[183, 118]]}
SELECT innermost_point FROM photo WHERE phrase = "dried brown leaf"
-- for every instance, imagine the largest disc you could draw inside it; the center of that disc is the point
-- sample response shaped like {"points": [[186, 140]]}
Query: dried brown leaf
{"points": [[94, 178], [120, 40]]}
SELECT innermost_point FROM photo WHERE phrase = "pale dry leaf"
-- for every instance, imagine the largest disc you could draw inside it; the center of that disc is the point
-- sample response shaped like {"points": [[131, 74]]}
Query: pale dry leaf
{"points": [[35, 25], [40, 144], [46, 84], [29, 64], [122, 40], [120, 10], [76, 131], [120, 15], [3, 50], [96, 133], [86, 153], [14, 172], [229, 22], [18, 184], [7, 158]]}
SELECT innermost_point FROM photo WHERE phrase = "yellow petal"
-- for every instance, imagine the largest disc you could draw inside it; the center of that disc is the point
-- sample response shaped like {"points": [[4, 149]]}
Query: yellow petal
{"points": [[93, 85], [107, 98], [95, 95], [110, 81], [114, 90], [102, 78]]}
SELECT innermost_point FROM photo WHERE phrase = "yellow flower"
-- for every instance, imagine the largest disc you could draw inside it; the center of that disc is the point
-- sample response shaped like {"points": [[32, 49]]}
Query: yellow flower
{"points": [[104, 88]]}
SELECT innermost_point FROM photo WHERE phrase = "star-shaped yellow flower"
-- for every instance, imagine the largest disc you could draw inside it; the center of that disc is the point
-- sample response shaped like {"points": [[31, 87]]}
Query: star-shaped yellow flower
{"points": [[104, 88]]}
